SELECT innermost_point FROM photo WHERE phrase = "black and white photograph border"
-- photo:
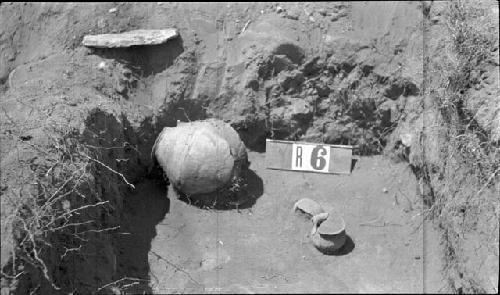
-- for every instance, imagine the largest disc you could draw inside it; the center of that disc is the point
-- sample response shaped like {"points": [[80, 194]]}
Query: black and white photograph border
{"points": [[249, 147]]}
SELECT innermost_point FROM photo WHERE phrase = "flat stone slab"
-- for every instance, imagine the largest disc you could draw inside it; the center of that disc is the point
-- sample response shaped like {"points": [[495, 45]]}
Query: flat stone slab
{"points": [[131, 38]]}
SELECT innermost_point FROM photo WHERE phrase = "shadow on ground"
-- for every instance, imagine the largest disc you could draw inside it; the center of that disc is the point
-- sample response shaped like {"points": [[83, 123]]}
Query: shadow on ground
{"points": [[143, 210], [222, 200], [345, 249], [145, 60], [353, 163]]}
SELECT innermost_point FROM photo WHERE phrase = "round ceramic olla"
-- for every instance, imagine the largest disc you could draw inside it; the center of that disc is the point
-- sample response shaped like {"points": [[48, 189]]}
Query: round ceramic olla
{"points": [[330, 236]]}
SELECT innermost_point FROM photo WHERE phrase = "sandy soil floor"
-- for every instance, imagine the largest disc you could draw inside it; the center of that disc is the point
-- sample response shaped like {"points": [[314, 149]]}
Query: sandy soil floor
{"points": [[266, 248]]}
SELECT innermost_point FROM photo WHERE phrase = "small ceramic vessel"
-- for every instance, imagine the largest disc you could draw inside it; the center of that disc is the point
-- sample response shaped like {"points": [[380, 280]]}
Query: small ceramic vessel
{"points": [[328, 234], [308, 207]]}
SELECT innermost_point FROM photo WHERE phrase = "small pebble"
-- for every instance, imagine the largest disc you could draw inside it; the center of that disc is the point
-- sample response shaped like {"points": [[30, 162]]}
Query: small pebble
{"points": [[279, 9], [385, 190], [101, 66], [293, 16], [101, 24], [417, 257], [113, 10], [66, 205]]}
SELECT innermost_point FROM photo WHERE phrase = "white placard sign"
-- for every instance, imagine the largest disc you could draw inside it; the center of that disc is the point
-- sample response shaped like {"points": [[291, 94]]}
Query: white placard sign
{"points": [[309, 157]]}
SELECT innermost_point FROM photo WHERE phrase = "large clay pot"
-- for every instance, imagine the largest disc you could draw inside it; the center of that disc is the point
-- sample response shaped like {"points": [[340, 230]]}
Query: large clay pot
{"points": [[200, 157], [328, 234]]}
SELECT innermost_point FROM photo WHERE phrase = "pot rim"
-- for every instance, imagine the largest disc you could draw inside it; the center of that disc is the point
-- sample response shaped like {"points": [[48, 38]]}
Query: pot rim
{"points": [[338, 232]]}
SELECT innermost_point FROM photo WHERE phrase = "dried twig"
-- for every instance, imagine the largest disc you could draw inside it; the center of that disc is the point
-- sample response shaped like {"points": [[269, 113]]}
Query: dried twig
{"points": [[99, 230], [245, 26], [67, 250], [110, 169], [185, 113], [384, 223], [52, 199], [176, 267], [70, 224], [487, 182], [37, 257], [11, 277], [69, 213], [124, 145], [120, 280]]}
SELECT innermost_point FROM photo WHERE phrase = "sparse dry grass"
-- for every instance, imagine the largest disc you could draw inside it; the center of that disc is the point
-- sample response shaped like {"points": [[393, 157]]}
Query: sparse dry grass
{"points": [[470, 147], [467, 185], [54, 205]]}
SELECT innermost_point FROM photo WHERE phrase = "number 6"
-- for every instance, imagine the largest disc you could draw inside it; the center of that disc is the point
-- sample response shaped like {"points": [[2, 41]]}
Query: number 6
{"points": [[315, 158]]}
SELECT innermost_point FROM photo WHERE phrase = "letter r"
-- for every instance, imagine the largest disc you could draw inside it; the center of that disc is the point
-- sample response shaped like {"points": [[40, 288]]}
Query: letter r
{"points": [[298, 157]]}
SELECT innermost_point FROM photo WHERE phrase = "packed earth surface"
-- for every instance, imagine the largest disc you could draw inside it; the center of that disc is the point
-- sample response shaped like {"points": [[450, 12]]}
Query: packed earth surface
{"points": [[412, 86], [266, 248]]}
